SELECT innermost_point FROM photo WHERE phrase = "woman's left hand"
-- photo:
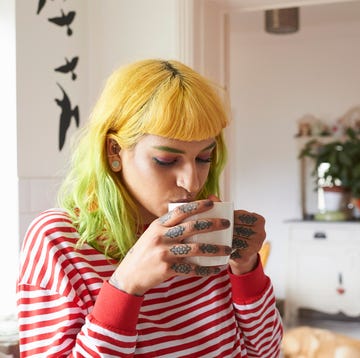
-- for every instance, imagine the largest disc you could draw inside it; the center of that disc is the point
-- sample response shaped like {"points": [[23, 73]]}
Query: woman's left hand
{"points": [[249, 235]]}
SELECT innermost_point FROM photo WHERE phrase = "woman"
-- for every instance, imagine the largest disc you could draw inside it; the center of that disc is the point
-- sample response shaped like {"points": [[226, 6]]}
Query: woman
{"points": [[106, 275]]}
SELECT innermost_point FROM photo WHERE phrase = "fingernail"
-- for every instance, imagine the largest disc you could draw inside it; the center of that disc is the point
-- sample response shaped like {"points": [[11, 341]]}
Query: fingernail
{"points": [[228, 250], [225, 222], [209, 203]]}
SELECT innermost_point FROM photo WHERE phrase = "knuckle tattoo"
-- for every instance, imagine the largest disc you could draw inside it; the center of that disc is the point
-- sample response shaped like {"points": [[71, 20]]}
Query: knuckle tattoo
{"points": [[166, 217], [203, 271], [239, 244], [175, 231], [181, 268], [247, 219], [202, 224], [188, 208], [235, 255], [209, 249], [244, 231], [180, 249]]}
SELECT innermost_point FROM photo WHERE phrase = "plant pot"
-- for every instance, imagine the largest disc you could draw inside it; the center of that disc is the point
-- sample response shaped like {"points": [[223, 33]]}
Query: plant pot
{"points": [[336, 198]]}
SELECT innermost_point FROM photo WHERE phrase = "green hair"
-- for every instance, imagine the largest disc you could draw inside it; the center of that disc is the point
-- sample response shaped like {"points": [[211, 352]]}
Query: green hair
{"points": [[164, 98]]}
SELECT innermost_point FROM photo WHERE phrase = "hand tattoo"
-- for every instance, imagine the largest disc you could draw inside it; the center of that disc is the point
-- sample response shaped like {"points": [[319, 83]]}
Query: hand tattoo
{"points": [[209, 249], [247, 219], [244, 231], [239, 244], [189, 207], [180, 249], [166, 217], [175, 231], [181, 268], [202, 224]]}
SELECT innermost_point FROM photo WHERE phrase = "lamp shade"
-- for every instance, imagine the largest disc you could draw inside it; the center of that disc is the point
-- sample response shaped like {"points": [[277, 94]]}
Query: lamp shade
{"points": [[282, 21]]}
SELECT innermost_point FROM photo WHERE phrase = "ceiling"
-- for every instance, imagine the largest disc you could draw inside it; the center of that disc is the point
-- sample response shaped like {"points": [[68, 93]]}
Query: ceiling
{"points": [[249, 5]]}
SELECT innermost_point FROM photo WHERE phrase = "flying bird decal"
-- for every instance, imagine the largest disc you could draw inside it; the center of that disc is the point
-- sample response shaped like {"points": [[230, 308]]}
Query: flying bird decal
{"points": [[64, 20], [69, 67], [65, 116], [40, 6]]}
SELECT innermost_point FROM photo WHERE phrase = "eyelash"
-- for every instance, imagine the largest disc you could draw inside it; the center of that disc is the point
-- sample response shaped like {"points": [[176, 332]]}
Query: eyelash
{"points": [[164, 163]]}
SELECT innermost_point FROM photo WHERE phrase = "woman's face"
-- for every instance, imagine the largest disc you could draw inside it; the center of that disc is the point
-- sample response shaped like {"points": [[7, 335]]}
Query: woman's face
{"points": [[159, 170]]}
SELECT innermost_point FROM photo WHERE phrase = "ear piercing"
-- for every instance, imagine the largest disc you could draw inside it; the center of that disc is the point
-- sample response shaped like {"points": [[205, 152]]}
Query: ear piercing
{"points": [[115, 165]]}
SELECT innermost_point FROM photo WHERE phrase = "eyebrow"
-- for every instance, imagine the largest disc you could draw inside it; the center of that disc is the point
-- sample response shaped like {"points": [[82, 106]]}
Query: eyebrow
{"points": [[175, 150]]}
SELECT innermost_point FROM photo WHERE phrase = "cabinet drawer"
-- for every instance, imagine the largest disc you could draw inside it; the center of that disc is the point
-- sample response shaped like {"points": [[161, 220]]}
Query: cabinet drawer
{"points": [[321, 234]]}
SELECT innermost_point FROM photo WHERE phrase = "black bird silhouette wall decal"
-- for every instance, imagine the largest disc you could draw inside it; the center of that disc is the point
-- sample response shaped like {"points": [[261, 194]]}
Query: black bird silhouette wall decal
{"points": [[41, 4], [64, 20], [65, 116], [69, 67]]}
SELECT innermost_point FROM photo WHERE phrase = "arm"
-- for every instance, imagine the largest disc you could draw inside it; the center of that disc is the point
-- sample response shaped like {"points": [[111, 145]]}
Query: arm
{"points": [[65, 308], [256, 313], [253, 295]]}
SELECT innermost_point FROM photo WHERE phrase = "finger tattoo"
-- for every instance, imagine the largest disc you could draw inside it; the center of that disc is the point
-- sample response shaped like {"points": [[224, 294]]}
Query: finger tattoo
{"points": [[180, 249], [206, 271], [166, 217], [189, 207], [175, 231], [244, 231], [239, 244], [202, 224], [235, 255], [181, 268], [209, 249], [247, 219]]}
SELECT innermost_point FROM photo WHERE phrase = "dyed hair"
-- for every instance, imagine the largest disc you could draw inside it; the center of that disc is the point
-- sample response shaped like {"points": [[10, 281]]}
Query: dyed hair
{"points": [[164, 98]]}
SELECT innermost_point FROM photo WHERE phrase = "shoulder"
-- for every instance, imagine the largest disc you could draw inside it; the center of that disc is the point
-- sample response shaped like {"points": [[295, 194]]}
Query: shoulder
{"points": [[50, 230], [50, 222]]}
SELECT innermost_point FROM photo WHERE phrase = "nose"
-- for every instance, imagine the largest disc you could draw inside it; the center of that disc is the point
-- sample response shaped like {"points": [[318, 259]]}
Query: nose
{"points": [[189, 179]]}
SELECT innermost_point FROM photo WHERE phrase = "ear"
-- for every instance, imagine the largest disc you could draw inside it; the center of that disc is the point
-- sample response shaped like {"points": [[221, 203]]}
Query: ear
{"points": [[112, 152]]}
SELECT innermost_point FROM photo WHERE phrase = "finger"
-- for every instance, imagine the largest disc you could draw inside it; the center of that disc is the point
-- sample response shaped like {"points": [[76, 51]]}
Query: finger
{"points": [[199, 249], [185, 268], [184, 211], [194, 227], [247, 218]]}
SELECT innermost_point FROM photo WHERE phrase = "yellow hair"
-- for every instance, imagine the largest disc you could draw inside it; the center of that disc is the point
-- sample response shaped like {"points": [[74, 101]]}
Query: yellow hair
{"points": [[164, 98]]}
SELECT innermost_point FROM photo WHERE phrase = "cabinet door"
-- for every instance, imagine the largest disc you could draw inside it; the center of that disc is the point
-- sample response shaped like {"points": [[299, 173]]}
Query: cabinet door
{"points": [[317, 269], [349, 301], [324, 271]]}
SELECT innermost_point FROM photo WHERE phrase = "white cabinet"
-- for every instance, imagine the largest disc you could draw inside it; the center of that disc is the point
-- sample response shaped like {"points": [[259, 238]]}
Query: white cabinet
{"points": [[323, 268]]}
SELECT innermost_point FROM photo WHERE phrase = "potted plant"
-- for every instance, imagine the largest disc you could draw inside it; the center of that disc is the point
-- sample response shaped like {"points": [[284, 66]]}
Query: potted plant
{"points": [[339, 161]]}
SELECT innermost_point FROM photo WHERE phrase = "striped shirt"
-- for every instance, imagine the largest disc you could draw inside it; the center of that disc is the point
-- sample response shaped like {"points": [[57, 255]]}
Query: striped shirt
{"points": [[67, 308]]}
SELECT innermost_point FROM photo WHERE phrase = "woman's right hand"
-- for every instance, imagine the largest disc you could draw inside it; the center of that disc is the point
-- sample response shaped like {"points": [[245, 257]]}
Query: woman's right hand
{"points": [[160, 252]]}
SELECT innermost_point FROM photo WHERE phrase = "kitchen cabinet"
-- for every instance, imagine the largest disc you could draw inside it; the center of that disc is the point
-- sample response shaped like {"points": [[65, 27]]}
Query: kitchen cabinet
{"points": [[323, 268]]}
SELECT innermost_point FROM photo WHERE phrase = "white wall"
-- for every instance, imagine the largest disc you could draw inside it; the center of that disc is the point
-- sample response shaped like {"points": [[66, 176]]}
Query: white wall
{"points": [[275, 80], [105, 36], [8, 178]]}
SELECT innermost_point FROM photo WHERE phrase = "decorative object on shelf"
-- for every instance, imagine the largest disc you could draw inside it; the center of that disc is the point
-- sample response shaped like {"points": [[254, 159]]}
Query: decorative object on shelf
{"points": [[309, 125], [336, 165], [282, 21]]}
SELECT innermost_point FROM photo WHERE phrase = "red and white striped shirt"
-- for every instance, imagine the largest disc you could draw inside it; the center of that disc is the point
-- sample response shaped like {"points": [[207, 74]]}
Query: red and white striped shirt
{"points": [[67, 308]]}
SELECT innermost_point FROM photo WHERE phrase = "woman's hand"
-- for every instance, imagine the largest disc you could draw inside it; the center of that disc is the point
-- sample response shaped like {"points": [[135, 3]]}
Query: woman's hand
{"points": [[160, 252], [249, 235]]}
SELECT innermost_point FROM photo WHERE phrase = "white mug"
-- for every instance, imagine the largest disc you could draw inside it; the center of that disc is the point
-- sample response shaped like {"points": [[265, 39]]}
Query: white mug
{"points": [[224, 210]]}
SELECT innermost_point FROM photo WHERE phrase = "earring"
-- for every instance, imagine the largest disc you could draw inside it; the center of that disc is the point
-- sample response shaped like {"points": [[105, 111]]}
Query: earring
{"points": [[115, 165]]}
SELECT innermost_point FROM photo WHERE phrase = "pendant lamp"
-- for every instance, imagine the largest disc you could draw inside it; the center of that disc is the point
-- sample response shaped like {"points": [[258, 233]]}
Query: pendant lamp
{"points": [[282, 21]]}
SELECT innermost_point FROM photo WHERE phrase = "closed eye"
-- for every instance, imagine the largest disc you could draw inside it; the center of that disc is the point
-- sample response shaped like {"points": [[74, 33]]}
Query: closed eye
{"points": [[204, 160], [164, 162]]}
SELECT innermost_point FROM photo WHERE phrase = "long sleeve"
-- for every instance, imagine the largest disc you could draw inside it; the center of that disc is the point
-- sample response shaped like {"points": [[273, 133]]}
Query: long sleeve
{"points": [[256, 313], [65, 308]]}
